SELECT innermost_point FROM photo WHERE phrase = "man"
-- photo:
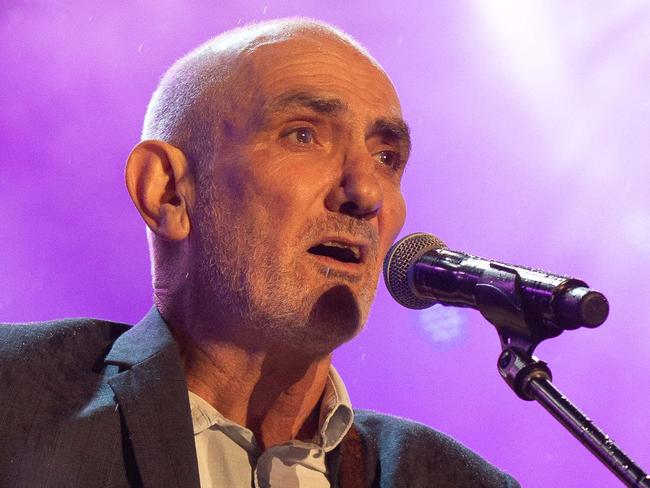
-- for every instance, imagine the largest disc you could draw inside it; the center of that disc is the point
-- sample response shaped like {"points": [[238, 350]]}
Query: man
{"points": [[269, 179]]}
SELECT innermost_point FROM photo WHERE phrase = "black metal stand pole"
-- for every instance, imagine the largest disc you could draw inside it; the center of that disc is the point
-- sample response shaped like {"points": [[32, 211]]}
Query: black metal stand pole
{"points": [[531, 380]]}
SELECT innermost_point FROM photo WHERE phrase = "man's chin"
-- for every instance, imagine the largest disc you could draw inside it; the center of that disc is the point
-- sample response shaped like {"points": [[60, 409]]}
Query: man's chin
{"points": [[335, 318], [312, 321]]}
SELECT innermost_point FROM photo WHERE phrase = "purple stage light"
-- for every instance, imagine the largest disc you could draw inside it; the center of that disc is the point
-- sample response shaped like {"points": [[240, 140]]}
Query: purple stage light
{"points": [[530, 129]]}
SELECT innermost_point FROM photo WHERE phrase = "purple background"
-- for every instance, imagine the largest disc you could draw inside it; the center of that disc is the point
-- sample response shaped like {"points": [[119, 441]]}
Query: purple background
{"points": [[531, 133]]}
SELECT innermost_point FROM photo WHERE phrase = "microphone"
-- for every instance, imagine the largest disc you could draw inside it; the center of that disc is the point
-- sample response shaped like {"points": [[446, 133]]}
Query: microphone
{"points": [[419, 271]]}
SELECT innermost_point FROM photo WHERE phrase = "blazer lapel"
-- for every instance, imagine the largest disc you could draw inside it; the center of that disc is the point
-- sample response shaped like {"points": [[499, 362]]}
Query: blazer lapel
{"points": [[152, 396]]}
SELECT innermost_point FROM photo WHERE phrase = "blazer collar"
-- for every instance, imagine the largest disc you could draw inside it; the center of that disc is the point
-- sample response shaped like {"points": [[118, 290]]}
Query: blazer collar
{"points": [[147, 338], [152, 396]]}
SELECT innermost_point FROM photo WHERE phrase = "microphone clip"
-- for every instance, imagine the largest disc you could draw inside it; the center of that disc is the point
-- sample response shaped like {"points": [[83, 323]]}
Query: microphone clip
{"points": [[500, 300]]}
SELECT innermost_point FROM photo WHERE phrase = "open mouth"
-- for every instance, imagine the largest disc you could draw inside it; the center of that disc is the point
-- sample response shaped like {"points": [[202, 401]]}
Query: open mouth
{"points": [[345, 253]]}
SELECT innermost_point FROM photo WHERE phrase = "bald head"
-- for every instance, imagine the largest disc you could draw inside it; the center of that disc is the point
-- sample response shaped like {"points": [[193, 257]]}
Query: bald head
{"points": [[201, 90]]}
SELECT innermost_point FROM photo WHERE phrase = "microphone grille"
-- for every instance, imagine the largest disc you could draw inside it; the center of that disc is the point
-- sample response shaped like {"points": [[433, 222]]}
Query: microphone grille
{"points": [[397, 264]]}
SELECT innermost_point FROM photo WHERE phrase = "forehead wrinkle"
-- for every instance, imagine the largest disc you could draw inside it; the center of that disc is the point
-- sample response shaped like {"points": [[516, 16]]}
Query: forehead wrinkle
{"points": [[394, 128], [319, 104]]}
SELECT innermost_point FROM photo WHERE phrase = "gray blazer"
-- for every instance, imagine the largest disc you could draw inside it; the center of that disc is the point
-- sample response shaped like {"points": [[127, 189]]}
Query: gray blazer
{"points": [[92, 403]]}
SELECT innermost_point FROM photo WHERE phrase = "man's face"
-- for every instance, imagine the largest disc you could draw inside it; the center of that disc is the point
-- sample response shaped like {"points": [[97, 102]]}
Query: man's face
{"points": [[304, 197]]}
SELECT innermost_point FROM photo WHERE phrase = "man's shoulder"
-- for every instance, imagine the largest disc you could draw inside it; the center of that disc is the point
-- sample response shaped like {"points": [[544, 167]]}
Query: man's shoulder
{"points": [[59, 412], [81, 337], [406, 449], [389, 432]]}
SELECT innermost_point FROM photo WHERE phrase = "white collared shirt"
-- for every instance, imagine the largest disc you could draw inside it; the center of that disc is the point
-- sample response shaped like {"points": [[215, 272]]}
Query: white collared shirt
{"points": [[228, 455]]}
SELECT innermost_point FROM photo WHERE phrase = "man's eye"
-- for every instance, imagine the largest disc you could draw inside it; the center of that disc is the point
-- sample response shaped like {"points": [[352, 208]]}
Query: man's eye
{"points": [[389, 158], [302, 135]]}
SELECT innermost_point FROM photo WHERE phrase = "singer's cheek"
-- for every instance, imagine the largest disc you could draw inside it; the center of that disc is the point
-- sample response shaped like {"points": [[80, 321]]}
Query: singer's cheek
{"points": [[393, 216]]}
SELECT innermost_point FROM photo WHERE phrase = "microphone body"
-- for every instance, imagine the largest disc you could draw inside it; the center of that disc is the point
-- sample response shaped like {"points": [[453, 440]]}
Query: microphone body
{"points": [[420, 271]]}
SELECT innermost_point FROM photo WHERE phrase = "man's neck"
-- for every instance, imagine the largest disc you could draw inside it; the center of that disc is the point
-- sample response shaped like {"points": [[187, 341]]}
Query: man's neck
{"points": [[273, 393]]}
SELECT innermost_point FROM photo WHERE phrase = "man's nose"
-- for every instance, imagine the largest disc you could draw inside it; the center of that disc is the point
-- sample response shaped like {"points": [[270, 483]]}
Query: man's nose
{"points": [[359, 192]]}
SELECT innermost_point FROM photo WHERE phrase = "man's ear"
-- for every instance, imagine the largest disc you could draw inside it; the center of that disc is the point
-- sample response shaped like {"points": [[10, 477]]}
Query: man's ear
{"points": [[159, 182]]}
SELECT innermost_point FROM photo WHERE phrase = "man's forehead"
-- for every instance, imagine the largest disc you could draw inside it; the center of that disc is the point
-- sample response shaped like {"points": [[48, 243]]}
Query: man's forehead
{"points": [[312, 70], [326, 81], [318, 50]]}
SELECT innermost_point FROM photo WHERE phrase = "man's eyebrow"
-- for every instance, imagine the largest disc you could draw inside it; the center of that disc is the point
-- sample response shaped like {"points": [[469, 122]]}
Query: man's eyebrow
{"points": [[321, 105], [394, 129]]}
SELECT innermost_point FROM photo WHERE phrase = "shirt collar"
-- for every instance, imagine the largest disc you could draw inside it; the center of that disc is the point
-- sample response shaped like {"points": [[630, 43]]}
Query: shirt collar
{"points": [[204, 415], [334, 421], [336, 415]]}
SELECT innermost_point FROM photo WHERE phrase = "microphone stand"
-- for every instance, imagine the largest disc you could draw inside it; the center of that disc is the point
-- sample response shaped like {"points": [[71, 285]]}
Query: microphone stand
{"points": [[521, 329], [530, 379], [527, 306]]}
